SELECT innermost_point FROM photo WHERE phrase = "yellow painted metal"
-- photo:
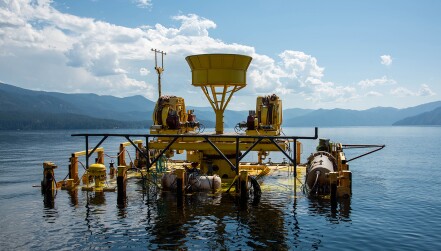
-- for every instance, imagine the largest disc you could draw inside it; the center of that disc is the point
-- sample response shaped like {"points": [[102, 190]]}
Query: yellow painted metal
{"points": [[219, 76], [98, 171], [345, 179], [264, 115], [70, 184], [218, 69], [223, 146], [49, 165], [83, 153], [122, 151], [122, 171], [129, 144], [268, 116], [299, 150], [163, 115], [344, 188], [344, 176], [167, 106]]}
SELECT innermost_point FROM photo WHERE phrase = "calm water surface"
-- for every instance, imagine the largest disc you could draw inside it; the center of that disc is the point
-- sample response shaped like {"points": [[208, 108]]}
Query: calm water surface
{"points": [[396, 202]]}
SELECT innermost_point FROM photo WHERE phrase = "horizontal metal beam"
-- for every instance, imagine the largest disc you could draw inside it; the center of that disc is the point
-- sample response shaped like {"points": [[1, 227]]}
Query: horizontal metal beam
{"points": [[221, 136]]}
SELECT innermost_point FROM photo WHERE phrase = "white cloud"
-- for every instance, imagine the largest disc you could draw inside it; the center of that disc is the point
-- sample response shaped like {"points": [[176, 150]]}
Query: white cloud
{"points": [[386, 59], [296, 73], [425, 91], [74, 54], [144, 3], [144, 72], [404, 92], [375, 82], [373, 94]]}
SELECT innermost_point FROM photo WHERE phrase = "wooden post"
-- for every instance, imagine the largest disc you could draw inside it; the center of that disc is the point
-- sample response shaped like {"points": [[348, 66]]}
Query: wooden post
{"points": [[121, 155], [70, 184], [100, 157], [73, 169]]}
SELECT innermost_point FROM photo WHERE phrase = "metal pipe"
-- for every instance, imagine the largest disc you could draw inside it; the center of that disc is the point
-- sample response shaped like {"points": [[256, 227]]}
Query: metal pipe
{"points": [[379, 148]]}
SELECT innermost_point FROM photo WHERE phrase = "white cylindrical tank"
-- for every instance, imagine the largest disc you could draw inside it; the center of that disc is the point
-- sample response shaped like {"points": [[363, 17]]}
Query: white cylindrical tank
{"points": [[204, 183], [197, 183], [319, 164]]}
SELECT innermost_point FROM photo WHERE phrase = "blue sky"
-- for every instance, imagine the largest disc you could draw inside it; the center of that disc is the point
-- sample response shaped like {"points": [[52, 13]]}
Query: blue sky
{"points": [[314, 54]]}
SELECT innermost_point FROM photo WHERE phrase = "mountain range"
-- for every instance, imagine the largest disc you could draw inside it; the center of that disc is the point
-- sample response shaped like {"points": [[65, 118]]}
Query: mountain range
{"points": [[27, 109]]}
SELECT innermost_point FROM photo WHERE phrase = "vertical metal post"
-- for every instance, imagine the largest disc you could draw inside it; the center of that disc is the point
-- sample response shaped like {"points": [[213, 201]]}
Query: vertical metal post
{"points": [[87, 152], [121, 185], [243, 184], [148, 152], [237, 155], [159, 70], [295, 158], [180, 185]]}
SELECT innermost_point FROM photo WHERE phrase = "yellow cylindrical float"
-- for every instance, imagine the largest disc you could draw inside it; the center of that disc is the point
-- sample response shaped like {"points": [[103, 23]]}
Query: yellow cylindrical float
{"points": [[98, 171]]}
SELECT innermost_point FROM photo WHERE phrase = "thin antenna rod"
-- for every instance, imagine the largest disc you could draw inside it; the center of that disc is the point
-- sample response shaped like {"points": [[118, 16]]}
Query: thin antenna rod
{"points": [[159, 70]]}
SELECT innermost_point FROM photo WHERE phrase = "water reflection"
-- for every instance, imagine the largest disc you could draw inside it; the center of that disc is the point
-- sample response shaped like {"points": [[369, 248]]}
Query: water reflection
{"points": [[49, 200], [50, 213], [222, 218], [73, 196], [205, 221], [96, 199], [333, 213]]}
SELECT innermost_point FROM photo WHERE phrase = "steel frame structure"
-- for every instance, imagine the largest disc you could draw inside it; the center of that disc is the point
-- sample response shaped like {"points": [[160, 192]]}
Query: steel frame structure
{"points": [[206, 137]]}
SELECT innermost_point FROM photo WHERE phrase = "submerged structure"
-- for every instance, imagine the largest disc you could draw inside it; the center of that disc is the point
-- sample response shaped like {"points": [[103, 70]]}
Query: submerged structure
{"points": [[213, 160]]}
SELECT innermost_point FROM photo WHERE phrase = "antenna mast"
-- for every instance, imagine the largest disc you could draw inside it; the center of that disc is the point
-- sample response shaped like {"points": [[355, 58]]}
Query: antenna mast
{"points": [[159, 70]]}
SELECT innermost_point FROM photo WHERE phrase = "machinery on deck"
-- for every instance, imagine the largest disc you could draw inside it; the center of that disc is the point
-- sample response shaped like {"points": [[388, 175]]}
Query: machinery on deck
{"points": [[219, 76], [327, 170], [211, 158]]}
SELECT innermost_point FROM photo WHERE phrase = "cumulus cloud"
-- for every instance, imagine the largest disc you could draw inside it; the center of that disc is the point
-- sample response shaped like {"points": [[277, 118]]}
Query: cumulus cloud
{"points": [[375, 82], [386, 60], [76, 54], [404, 92], [296, 72]]}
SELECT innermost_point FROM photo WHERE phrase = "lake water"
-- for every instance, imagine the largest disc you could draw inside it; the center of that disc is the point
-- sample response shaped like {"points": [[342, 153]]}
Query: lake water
{"points": [[396, 202]]}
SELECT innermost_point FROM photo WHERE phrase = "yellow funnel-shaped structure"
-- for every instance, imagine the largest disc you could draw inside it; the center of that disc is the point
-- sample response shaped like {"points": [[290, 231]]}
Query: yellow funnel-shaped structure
{"points": [[219, 76]]}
